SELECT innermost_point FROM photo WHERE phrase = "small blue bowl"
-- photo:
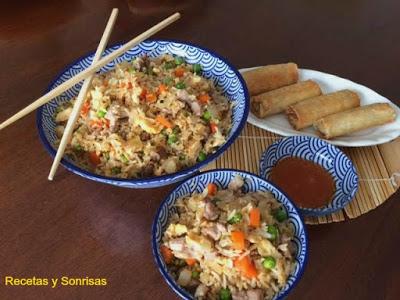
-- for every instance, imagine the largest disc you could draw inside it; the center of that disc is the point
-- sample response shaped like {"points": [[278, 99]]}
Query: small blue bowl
{"points": [[224, 75], [222, 177], [322, 153]]}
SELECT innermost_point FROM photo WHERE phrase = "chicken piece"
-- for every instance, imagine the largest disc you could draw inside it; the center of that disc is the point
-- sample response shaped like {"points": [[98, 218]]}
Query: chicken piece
{"points": [[117, 115], [177, 244], [236, 183], [190, 100], [63, 115], [211, 212], [239, 295], [201, 291], [214, 231], [255, 294]]}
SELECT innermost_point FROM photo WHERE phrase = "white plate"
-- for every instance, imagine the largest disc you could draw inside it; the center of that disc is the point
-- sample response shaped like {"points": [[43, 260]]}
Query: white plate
{"points": [[331, 83]]}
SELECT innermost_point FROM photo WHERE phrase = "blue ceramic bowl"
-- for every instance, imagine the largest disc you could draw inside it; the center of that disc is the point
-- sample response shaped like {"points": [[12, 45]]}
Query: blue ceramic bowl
{"points": [[322, 153], [222, 177], [224, 75]]}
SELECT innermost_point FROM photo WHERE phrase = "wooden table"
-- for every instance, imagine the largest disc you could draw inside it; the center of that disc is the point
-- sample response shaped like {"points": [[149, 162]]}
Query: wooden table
{"points": [[77, 228]]}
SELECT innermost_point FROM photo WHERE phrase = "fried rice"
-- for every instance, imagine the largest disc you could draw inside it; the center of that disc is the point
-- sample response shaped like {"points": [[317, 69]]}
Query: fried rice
{"points": [[226, 244], [147, 117]]}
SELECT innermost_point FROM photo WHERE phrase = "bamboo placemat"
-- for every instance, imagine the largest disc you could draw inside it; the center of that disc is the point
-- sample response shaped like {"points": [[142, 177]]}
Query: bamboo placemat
{"points": [[376, 167]]}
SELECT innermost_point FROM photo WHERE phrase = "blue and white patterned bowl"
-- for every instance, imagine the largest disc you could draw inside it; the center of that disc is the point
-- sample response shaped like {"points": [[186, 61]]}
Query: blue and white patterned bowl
{"points": [[224, 75], [221, 178], [322, 153]]}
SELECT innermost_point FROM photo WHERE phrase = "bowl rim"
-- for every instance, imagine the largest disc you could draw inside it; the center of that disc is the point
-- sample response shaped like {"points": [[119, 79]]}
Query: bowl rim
{"points": [[150, 180], [324, 210], [171, 282]]}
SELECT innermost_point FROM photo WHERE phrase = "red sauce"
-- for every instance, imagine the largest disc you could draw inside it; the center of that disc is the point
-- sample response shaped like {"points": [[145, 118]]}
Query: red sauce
{"points": [[306, 183]]}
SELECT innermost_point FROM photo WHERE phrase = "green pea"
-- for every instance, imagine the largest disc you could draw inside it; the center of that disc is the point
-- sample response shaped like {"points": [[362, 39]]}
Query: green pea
{"points": [[280, 214], [202, 156], [207, 116], [169, 65], [168, 80], [180, 85], [197, 69], [115, 170], [78, 148], [269, 262], [124, 158], [195, 274], [273, 231], [179, 60], [172, 139], [236, 218], [101, 113], [225, 294]]}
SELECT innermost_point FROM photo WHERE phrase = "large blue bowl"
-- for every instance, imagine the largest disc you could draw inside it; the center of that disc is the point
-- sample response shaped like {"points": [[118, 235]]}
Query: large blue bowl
{"points": [[224, 75], [322, 153], [222, 177]]}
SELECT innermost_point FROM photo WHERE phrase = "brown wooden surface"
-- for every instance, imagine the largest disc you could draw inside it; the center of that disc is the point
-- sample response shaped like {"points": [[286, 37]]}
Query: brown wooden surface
{"points": [[75, 227]]}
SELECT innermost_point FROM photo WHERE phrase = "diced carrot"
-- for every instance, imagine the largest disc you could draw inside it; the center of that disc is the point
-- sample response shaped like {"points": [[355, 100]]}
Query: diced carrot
{"points": [[107, 122], [213, 127], [85, 109], [246, 266], [94, 158], [130, 85], [96, 123], [255, 217], [212, 189], [179, 72], [167, 254], [151, 97], [162, 88], [204, 98], [122, 85], [105, 83], [143, 93], [163, 121], [237, 238], [190, 261]]}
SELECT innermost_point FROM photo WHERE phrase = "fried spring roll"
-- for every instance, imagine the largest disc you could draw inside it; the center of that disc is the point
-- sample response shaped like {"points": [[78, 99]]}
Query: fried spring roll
{"points": [[303, 114], [278, 100], [354, 120], [270, 77]]}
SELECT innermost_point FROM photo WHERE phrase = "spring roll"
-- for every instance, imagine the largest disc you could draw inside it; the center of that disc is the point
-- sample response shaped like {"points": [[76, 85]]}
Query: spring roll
{"points": [[303, 114], [354, 120], [278, 100], [270, 77]]}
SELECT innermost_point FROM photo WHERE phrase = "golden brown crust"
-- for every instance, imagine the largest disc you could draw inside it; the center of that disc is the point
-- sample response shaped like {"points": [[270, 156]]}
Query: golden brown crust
{"points": [[270, 77]]}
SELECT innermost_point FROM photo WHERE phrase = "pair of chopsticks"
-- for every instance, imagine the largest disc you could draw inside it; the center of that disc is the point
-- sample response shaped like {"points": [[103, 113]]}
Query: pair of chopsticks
{"points": [[87, 75]]}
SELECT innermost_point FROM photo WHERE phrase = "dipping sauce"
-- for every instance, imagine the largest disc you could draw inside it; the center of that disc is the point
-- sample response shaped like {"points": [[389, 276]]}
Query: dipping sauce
{"points": [[306, 183]]}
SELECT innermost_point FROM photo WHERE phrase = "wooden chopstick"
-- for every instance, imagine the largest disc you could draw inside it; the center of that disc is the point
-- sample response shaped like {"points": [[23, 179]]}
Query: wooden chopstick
{"points": [[82, 95], [92, 69]]}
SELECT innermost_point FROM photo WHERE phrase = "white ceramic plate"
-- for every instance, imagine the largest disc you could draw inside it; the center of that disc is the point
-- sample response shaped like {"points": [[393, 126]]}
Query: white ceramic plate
{"points": [[331, 83]]}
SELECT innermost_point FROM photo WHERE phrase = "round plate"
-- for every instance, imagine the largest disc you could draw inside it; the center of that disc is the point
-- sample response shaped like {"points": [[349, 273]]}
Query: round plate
{"points": [[331, 83]]}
